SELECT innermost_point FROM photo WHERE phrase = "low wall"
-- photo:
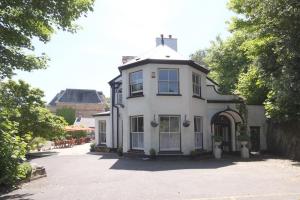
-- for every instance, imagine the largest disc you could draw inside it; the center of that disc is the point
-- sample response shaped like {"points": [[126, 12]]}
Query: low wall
{"points": [[284, 139]]}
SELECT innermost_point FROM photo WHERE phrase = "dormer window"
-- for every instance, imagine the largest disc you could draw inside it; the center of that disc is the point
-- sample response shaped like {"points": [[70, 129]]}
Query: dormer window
{"points": [[168, 81], [136, 83], [196, 85]]}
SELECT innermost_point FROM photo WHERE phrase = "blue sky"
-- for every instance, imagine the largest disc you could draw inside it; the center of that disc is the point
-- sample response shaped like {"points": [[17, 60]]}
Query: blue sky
{"points": [[90, 58]]}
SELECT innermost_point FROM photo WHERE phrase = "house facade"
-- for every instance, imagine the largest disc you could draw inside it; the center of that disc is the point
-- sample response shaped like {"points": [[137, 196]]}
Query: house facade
{"points": [[164, 101], [85, 102]]}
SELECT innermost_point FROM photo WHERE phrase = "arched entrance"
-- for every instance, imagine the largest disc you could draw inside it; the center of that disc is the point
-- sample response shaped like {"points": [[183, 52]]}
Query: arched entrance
{"points": [[222, 128], [226, 124]]}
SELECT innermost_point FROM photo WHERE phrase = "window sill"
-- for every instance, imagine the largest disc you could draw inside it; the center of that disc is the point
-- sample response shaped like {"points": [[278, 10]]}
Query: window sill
{"points": [[168, 95], [198, 97], [135, 96]]}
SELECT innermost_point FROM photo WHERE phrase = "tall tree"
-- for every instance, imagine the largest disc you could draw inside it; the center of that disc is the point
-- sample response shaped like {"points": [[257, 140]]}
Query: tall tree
{"points": [[69, 114], [273, 28], [21, 21]]}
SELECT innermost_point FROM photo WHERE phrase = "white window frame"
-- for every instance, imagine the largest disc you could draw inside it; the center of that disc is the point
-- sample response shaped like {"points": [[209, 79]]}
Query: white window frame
{"points": [[135, 82], [139, 134], [102, 131], [196, 92], [198, 133], [169, 132], [168, 80]]}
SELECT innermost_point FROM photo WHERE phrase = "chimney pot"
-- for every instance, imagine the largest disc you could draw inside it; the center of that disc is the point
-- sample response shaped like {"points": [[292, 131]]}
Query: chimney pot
{"points": [[170, 36]]}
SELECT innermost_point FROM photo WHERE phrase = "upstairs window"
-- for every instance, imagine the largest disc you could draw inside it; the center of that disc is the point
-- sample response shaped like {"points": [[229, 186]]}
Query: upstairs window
{"points": [[196, 85], [168, 81], [136, 83]]}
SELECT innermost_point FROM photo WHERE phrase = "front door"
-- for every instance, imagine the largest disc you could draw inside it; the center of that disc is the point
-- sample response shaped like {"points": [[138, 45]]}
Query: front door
{"points": [[255, 138], [222, 128]]}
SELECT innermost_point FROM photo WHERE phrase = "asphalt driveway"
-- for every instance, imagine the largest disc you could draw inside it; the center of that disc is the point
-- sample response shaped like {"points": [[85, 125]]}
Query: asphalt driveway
{"points": [[76, 174]]}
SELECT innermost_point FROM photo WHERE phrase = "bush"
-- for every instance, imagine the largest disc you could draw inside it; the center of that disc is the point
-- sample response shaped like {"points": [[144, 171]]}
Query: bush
{"points": [[218, 138], [37, 143], [79, 134], [120, 151], [24, 171], [193, 154], [152, 153], [93, 147]]}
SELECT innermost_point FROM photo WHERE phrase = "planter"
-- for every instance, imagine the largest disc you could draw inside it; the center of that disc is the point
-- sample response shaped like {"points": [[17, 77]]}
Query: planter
{"points": [[244, 150], [217, 150]]}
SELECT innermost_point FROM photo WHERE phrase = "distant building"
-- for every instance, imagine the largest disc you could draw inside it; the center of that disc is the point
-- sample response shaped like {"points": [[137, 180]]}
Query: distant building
{"points": [[84, 102]]}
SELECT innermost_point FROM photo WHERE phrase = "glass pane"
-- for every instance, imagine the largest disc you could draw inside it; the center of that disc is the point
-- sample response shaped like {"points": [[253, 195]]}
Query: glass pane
{"points": [[163, 86], [174, 124], [140, 124], [173, 75], [164, 124], [173, 87], [141, 140], [163, 74], [134, 124]]}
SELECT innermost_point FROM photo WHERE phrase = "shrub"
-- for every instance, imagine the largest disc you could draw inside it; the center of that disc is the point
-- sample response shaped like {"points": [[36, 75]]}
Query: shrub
{"points": [[152, 153], [93, 147], [120, 151], [79, 134], [218, 138], [243, 137], [193, 154], [24, 171], [37, 143]]}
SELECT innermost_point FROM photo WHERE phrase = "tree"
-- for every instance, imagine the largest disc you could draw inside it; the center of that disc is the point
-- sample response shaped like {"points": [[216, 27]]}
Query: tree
{"points": [[67, 113], [273, 43], [28, 110], [252, 86], [199, 56], [21, 21]]}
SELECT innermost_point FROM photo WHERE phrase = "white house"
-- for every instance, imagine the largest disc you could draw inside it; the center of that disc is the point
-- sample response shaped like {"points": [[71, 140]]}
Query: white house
{"points": [[164, 101]]}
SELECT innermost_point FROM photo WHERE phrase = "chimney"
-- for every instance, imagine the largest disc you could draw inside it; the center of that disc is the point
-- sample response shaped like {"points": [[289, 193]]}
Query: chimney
{"points": [[126, 59], [169, 41]]}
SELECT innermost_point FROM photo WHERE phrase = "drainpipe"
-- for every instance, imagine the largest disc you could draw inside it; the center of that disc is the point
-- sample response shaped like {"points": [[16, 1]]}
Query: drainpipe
{"points": [[112, 112]]}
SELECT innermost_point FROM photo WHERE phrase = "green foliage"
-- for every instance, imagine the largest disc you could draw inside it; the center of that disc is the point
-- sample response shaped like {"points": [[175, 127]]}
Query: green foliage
{"points": [[67, 113], [193, 154], [21, 21], [27, 109], [93, 147], [218, 138], [273, 43], [226, 61], [37, 143], [243, 137], [152, 153], [78, 134], [24, 171], [120, 151], [13, 149], [252, 86], [199, 56]]}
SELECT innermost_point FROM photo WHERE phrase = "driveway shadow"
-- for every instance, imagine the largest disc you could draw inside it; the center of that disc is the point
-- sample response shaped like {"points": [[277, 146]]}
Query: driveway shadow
{"points": [[17, 196], [41, 154]]}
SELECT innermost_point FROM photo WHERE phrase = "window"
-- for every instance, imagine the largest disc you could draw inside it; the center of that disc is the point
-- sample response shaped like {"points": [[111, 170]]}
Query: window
{"points": [[137, 132], [102, 132], [169, 133], [168, 81], [196, 85], [136, 83], [119, 96], [198, 129]]}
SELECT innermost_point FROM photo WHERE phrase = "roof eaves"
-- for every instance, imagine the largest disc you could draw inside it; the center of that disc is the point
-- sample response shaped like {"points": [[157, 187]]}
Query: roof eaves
{"points": [[163, 61]]}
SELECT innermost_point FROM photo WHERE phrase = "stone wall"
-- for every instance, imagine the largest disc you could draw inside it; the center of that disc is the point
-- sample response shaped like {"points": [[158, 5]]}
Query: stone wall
{"points": [[82, 109], [284, 139]]}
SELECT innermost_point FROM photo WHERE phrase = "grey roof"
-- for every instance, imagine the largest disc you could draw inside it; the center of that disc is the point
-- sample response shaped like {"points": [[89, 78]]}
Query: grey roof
{"points": [[77, 96], [85, 122]]}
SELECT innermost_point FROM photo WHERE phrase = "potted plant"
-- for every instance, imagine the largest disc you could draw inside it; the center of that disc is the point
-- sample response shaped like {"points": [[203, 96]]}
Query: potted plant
{"points": [[152, 153], [93, 147], [120, 151], [244, 138], [193, 154], [217, 142]]}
